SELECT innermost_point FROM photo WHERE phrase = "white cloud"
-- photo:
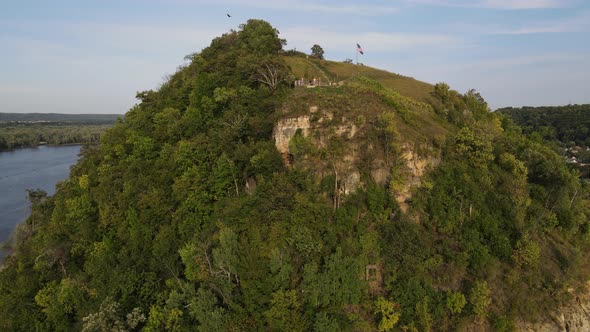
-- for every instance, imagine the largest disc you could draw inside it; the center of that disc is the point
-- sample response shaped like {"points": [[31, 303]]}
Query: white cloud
{"points": [[519, 61], [338, 7], [47, 98], [304, 38], [497, 4], [578, 23], [92, 67], [146, 38], [523, 4], [536, 80]]}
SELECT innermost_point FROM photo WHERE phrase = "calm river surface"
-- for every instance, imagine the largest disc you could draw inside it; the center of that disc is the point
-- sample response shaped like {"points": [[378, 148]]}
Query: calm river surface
{"points": [[29, 168]]}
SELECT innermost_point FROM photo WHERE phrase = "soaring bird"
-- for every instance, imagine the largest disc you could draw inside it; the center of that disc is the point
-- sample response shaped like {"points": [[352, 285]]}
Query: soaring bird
{"points": [[228, 15]]}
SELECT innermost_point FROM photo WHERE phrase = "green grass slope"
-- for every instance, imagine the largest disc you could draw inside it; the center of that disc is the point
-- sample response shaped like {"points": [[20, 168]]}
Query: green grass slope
{"points": [[340, 71]]}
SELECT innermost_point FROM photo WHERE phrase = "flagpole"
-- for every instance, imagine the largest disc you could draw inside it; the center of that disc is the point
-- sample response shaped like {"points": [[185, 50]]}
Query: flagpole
{"points": [[357, 55]]}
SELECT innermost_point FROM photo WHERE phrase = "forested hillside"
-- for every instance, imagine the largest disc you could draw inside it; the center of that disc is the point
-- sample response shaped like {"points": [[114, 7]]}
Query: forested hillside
{"points": [[569, 123], [229, 200]]}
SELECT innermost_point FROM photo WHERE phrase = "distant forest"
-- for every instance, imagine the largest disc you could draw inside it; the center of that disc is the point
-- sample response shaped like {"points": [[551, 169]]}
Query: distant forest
{"points": [[32, 129], [57, 117], [567, 124]]}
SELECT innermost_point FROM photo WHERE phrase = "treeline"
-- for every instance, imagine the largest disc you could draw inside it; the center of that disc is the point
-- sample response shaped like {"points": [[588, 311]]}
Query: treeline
{"points": [[32, 134], [567, 124], [57, 118]]}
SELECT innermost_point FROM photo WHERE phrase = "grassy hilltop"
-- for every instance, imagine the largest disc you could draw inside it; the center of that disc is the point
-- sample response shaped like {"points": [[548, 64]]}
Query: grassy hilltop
{"points": [[232, 200], [339, 71]]}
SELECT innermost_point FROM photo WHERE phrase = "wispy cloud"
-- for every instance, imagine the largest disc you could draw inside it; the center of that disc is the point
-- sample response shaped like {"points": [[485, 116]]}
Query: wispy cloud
{"points": [[507, 63], [143, 37], [497, 4], [578, 23], [112, 38], [532, 80], [371, 41], [97, 65], [94, 58], [340, 7]]}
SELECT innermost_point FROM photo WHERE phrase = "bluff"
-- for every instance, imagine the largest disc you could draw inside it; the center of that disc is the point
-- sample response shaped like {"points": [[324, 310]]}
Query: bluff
{"points": [[233, 198]]}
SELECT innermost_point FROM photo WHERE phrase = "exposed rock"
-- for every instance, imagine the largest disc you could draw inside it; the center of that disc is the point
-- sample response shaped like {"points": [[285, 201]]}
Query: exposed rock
{"points": [[250, 186], [327, 116], [416, 167], [380, 173], [347, 130], [351, 182], [346, 167], [572, 317], [285, 129]]}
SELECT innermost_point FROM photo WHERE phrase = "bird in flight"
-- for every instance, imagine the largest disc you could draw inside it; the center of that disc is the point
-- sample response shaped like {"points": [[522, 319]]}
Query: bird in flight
{"points": [[228, 15]]}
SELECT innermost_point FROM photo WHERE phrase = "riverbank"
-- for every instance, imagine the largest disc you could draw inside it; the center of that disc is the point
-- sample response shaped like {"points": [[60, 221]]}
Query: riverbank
{"points": [[40, 167]]}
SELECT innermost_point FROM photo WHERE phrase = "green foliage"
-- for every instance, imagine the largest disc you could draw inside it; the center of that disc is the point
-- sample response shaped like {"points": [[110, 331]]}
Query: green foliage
{"points": [[317, 51], [109, 318], [527, 252], [387, 129], [480, 299], [455, 302], [19, 135], [334, 284], [266, 161], [300, 146], [504, 324], [324, 322], [402, 104], [474, 149], [260, 38], [442, 91], [563, 123], [281, 269], [388, 314], [205, 309], [423, 316], [285, 313]]}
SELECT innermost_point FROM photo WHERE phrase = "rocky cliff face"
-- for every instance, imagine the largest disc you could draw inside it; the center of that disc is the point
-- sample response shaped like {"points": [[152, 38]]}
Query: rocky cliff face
{"points": [[572, 317], [345, 167], [416, 167], [285, 129], [320, 125]]}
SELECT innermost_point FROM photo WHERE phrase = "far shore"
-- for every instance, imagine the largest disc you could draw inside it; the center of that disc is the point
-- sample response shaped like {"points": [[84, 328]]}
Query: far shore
{"points": [[45, 144]]}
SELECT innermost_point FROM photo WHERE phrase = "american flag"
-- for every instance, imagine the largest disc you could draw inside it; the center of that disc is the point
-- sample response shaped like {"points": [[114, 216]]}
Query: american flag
{"points": [[359, 48]]}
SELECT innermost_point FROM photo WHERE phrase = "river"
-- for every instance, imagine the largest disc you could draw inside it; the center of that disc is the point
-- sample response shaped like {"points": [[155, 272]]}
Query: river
{"points": [[29, 168]]}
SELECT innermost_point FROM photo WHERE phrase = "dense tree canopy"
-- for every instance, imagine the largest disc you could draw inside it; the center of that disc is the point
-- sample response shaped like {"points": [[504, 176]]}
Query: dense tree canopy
{"points": [[569, 123], [32, 134]]}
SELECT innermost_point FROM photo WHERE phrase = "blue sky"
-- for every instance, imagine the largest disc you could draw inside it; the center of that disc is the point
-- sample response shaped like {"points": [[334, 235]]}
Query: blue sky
{"points": [[93, 56]]}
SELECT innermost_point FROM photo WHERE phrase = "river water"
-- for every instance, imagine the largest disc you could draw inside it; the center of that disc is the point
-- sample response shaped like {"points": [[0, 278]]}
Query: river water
{"points": [[29, 168]]}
